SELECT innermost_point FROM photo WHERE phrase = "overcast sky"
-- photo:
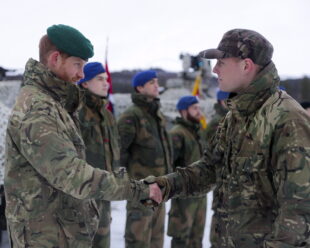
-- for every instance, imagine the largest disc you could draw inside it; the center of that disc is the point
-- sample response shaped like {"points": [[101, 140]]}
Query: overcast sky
{"points": [[144, 33]]}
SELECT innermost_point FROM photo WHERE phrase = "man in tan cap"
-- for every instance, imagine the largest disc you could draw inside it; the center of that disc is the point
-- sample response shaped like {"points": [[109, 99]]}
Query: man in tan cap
{"points": [[259, 159], [49, 186]]}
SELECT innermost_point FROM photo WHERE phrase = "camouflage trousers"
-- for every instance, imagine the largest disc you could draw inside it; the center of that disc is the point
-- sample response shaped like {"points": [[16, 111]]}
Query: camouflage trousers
{"points": [[187, 222], [144, 226], [103, 235], [45, 233]]}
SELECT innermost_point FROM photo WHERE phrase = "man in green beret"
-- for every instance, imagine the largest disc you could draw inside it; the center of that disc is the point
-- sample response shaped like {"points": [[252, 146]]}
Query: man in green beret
{"points": [[49, 186]]}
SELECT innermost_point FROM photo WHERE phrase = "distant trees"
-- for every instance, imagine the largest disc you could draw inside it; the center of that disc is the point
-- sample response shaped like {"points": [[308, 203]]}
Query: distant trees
{"points": [[298, 88], [2, 73]]}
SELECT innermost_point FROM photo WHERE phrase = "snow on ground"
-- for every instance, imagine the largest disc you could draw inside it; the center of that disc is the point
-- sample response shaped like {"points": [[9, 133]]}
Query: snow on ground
{"points": [[119, 220], [168, 102], [8, 92], [4, 116]]}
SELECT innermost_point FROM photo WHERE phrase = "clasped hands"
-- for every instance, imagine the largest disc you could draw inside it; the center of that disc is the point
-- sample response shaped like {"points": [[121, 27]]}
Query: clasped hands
{"points": [[155, 196]]}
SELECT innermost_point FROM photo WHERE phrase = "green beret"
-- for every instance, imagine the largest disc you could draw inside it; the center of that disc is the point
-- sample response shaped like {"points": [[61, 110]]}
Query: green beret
{"points": [[71, 41]]}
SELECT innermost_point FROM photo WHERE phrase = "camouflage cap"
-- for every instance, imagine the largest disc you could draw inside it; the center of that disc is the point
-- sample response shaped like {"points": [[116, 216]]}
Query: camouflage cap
{"points": [[71, 41], [242, 43]]}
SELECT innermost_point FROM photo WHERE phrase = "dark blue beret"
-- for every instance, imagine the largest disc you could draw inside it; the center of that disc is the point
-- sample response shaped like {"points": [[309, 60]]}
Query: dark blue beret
{"points": [[71, 41], [222, 95], [186, 101], [141, 78], [91, 70]]}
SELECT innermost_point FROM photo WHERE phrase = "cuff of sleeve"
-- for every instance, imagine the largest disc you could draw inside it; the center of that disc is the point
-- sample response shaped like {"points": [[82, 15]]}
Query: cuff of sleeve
{"points": [[141, 190], [170, 185]]}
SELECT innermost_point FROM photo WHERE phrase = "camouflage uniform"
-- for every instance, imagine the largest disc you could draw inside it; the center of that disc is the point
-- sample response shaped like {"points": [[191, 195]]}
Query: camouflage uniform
{"points": [[100, 135], [212, 126], [261, 165], [220, 113], [187, 216], [145, 150], [49, 187]]}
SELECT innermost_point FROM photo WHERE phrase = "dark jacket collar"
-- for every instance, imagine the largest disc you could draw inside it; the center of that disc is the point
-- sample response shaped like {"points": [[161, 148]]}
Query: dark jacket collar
{"points": [[148, 103], [38, 75], [193, 127], [94, 101], [253, 97]]}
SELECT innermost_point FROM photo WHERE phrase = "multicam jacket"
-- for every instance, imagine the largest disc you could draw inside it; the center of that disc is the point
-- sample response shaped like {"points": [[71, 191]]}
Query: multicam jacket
{"points": [[212, 126], [188, 144], [261, 165], [49, 187], [100, 134], [145, 145]]}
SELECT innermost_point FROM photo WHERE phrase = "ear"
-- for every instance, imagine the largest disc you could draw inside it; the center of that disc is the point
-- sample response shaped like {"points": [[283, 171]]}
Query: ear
{"points": [[183, 113], [85, 85], [140, 89], [53, 58], [248, 65]]}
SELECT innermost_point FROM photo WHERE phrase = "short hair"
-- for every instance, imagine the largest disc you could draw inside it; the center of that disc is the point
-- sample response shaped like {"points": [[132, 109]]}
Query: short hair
{"points": [[46, 47], [305, 104]]}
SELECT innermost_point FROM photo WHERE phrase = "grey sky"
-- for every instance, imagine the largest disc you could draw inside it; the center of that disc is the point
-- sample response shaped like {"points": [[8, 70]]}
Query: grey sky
{"points": [[145, 33]]}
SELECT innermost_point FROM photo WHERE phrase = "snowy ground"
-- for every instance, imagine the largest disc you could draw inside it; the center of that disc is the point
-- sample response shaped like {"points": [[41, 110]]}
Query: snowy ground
{"points": [[119, 220]]}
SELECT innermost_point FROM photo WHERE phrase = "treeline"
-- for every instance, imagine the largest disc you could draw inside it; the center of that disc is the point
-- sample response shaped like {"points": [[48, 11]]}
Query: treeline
{"points": [[298, 88]]}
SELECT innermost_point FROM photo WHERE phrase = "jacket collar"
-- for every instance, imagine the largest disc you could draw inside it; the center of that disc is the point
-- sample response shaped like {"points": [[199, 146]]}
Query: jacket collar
{"points": [[94, 101], [253, 97], [193, 127], [38, 75], [150, 104]]}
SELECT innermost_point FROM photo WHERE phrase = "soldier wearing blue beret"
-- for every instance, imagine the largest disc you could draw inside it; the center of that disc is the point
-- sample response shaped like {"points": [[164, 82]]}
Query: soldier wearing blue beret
{"points": [[187, 215], [100, 135], [145, 150]]}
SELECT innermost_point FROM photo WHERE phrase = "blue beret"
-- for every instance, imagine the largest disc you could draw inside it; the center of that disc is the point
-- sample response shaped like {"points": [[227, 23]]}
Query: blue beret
{"points": [[186, 101], [222, 95], [281, 87], [91, 70], [71, 41], [141, 78]]}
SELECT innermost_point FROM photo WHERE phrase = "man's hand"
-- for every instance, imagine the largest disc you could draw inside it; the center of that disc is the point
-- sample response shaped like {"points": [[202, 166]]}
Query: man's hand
{"points": [[155, 193]]}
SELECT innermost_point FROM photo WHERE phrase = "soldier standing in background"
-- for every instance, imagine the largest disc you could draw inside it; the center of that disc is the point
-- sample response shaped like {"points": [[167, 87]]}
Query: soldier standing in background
{"points": [[187, 216], [145, 150], [100, 135], [260, 157], [49, 187]]}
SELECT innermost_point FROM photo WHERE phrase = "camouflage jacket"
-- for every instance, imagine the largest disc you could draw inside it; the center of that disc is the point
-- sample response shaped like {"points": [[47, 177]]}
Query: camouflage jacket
{"points": [[212, 126], [188, 143], [145, 144], [261, 165], [99, 132], [49, 187]]}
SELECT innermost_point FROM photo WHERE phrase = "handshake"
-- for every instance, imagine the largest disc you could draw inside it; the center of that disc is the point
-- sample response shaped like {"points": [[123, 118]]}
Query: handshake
{"points": [[156, 195]]}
